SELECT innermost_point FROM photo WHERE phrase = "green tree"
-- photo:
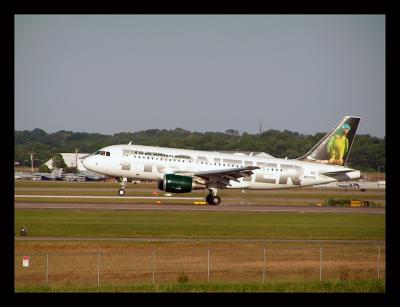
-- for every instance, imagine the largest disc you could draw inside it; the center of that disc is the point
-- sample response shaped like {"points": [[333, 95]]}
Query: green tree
{"points": [[44, 169], [367, 154], [58, 161]]}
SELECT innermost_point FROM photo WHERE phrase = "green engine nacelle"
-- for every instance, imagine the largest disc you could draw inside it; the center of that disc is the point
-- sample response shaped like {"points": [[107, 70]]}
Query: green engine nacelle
{"points": [[176, 183]]}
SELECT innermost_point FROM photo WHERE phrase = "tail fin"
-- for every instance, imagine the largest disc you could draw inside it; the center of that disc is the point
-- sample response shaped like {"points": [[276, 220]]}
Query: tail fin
{"points": [[334, 147], [56, 171]]}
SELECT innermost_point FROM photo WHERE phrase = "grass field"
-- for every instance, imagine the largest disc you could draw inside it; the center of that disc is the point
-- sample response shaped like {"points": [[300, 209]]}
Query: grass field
{"points": [[89, 264], [327, 286], [96, 223], [198, 265]]}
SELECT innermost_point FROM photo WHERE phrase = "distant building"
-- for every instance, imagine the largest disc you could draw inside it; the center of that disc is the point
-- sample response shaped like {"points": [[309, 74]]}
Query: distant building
{"points": [[70, 160]]}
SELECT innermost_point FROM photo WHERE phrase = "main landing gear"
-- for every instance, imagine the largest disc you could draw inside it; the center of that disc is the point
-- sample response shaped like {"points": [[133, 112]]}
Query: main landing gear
{"points": [[212, 197], [121, 191]]}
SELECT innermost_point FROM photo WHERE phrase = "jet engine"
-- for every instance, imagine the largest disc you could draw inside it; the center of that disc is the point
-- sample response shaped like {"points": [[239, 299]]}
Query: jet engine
{"points": [[180, 184]]}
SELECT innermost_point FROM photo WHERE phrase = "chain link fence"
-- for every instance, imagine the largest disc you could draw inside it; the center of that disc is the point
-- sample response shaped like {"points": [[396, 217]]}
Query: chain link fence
{"points": [[201, 265]]}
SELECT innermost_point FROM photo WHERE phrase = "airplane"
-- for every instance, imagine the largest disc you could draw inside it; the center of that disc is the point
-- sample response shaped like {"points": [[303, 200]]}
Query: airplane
{"points": [[348, 185], [92, 176], [54, 175], [83, 176], [184, 170], [26, 176]]}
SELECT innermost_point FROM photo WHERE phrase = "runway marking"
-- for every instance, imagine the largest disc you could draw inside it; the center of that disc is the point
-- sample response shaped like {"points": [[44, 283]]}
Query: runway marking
{"points": [[108, 197]]}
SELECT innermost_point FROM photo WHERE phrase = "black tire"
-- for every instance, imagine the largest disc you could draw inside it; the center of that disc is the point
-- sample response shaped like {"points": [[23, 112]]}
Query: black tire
{"points": [[215, 200], [121, 192]]}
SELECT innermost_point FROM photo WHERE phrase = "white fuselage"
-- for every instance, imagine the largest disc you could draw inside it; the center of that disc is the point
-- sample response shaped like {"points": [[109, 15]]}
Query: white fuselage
{"points": [[151, 163]]}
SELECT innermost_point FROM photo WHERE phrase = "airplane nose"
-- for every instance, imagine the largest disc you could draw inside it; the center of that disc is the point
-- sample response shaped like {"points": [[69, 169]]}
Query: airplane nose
{"points": [[84, 163], [88, 163]]}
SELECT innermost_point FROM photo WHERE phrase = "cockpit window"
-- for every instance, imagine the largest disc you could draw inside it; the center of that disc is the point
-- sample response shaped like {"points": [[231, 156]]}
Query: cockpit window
{"points": [[102, 153]]}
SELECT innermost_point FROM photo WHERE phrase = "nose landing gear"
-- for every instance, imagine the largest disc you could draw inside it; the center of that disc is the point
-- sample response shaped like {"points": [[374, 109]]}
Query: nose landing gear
{"points": [[121, 191]]}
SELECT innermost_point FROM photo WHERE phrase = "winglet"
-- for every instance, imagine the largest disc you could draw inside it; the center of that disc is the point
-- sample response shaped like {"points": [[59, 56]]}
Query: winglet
{"points": [[334, 147]]}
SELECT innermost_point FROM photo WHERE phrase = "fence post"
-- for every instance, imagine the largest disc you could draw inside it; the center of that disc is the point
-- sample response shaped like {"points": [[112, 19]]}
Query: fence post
{"points": [[47, 269], [153, 265], [320, 263], [208, 265], [98, 269], [264, 267], [379, 261]]}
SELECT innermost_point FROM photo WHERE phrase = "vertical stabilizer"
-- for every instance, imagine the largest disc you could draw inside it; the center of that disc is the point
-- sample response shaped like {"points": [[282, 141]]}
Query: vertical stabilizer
{"points": [[334, 147], [56, 172]]}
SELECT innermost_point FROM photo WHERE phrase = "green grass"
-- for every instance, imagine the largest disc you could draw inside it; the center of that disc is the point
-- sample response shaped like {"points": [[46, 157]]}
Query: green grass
{"points": [[97, 223], [311, 286]]}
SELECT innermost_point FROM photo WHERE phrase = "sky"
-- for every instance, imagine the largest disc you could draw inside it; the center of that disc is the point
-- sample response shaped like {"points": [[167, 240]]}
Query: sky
{"points": [[125, 73]]}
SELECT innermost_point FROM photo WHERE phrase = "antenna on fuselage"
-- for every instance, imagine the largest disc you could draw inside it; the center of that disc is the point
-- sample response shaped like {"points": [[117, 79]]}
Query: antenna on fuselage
{"points": [[130, 143]]}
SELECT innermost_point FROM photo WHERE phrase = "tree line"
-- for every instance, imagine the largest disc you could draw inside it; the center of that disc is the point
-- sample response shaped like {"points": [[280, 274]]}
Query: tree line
{"points": [[367, 153]]}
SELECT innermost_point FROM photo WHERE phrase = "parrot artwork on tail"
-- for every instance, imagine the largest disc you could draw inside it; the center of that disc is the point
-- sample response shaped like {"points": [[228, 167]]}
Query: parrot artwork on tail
{"points": [[335, 147], [338, 145]]}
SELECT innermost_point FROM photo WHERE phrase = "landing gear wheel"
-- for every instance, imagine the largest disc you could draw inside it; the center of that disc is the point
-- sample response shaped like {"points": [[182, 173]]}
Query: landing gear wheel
{"points": [[213, 200], [121, 192]]}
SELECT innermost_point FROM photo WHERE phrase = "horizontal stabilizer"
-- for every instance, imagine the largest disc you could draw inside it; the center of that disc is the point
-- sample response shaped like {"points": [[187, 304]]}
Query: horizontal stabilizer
{"points": [[330, 173], [342, 175]]}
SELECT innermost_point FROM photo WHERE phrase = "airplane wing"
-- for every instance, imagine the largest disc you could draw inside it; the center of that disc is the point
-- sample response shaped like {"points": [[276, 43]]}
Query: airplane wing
{"points": [[223, 176], [235, 173]]}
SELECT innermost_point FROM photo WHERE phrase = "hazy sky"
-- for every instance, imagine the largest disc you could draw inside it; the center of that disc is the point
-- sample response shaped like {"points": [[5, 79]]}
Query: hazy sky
{"points": [[125, 73]]}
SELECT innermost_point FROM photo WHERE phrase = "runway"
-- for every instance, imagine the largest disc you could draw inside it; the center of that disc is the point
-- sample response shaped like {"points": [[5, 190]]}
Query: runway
{"points": [[190, 207], [107, 197]]}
